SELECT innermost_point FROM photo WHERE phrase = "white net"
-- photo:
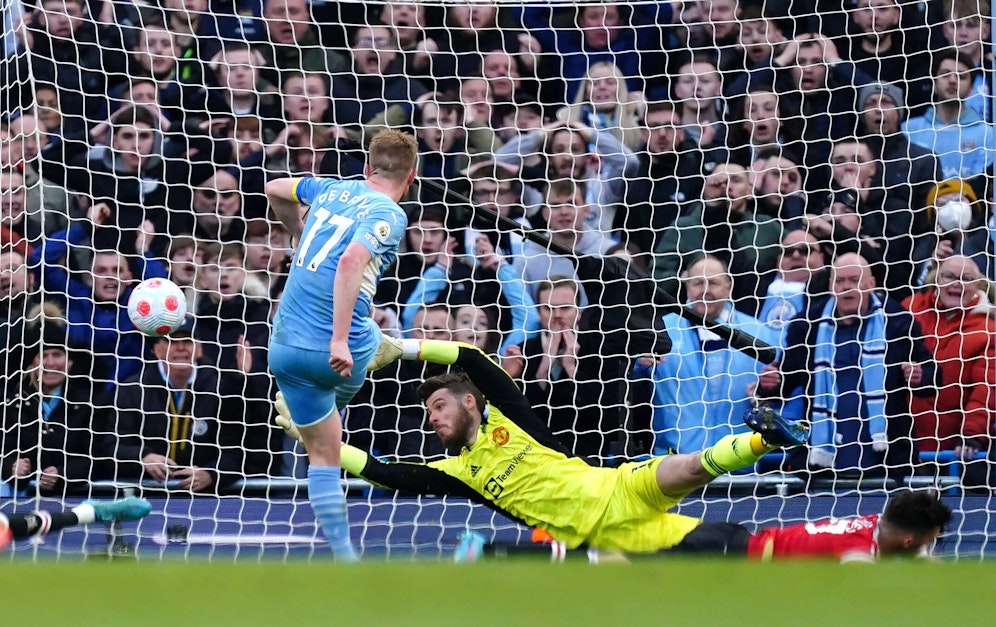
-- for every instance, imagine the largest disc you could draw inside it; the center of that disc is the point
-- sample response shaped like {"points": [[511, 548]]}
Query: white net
{"points": [[815, 175]]}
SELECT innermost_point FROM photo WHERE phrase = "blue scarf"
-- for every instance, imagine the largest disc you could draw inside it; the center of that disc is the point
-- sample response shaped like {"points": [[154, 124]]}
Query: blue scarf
{"points": [[873, 345]]}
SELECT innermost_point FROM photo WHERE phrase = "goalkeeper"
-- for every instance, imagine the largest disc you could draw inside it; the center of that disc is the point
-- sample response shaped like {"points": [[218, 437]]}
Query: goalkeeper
{"points": [[511, 462]]}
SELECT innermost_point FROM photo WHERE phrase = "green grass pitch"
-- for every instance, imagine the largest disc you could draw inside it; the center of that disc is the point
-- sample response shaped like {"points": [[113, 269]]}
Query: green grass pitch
{"points": [[507, 593]]}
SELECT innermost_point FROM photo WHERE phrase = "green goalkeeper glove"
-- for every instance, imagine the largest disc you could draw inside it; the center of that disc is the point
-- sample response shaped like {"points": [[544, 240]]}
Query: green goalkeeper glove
{"points": [[389, 350], [283, 418], [352, 459]]}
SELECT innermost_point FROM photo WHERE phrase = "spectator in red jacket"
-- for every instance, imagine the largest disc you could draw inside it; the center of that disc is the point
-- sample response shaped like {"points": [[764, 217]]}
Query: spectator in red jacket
{"points": [[957, 321]]}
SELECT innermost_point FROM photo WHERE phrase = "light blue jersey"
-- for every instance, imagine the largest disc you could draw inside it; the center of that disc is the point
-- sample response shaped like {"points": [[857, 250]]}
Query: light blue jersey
{"points": [[341, 212], [965, 148]]}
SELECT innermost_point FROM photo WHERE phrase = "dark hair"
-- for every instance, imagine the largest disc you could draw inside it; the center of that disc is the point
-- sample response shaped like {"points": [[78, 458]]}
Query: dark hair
{"points": [[656, 106], [554, 282], [132, 115], [565, 187], [228, 250], [917, 511], [457, 383], [430, 212], [952, 54]]}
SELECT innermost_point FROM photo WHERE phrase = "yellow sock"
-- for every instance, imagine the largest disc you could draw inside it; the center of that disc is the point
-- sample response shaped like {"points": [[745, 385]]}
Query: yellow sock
{"points": [[734, 452]]}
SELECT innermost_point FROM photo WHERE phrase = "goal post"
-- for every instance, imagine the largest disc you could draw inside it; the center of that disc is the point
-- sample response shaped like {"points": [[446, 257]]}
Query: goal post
{"points": [[654, 214]]}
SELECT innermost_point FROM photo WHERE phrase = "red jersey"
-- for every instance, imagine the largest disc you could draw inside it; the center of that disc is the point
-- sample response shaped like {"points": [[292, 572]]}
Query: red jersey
{"points": [[847, 539]]}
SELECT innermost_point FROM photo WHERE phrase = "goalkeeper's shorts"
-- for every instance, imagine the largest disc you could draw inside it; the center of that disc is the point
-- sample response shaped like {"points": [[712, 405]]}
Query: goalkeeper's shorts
{"points": [[312, 389], [636, 519]]}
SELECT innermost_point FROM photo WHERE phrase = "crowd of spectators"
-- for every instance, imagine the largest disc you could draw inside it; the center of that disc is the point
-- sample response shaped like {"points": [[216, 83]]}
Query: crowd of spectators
{"points": [[818, 177]]}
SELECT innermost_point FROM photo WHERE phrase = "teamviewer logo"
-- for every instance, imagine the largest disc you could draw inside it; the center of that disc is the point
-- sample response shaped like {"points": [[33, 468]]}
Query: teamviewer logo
{"points": [[493, 488]]}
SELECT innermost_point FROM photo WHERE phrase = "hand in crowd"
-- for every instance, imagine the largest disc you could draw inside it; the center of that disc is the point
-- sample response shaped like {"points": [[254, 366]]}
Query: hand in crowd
{"points": [[529, 50], [789, 53], [424, 49], [21, 469], [649, 361], [143, 239], [770, 378], [48, 478], [98, 213], [448, 255], [243, 355], [21, 28], [158, 467], [831, 55], [484, 250], [560, 344], [193, 478], [966, 452], [587, 133], [913, 374], [513, 361], [943, 250], [288, 138]]}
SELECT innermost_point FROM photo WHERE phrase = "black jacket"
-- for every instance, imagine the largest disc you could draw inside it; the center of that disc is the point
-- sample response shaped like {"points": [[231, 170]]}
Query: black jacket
{"points": [[142, 425], [69, 439]]}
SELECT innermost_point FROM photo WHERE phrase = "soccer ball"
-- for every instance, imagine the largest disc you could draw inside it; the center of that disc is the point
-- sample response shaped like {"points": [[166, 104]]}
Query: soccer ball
{"points": [[157, 307]]}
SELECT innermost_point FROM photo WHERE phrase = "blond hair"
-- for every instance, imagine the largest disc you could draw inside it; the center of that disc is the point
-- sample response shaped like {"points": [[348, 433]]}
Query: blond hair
{"points": [[392, 155]]}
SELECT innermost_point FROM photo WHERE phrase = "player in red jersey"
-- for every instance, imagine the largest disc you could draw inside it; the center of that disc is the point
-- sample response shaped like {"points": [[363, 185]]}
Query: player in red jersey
{"points": [[909, 525]]}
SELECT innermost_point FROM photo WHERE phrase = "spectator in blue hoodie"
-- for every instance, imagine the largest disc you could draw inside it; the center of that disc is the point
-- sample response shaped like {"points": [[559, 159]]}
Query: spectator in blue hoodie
{"points": [[701, 386], [96, 315], [962, 140]]}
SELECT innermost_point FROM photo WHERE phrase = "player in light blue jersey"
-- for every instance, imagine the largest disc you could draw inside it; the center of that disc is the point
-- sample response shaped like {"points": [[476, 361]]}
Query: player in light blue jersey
{"points": [[323, 337]]}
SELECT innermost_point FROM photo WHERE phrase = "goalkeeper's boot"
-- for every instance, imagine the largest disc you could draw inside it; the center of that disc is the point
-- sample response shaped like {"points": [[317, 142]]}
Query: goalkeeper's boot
{"points": [[470, 548], [775, 430], [130, 508]]}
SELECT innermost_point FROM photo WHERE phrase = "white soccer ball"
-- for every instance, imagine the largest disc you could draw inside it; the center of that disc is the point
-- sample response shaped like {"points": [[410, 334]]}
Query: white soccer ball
{"points": [[157, 307]]}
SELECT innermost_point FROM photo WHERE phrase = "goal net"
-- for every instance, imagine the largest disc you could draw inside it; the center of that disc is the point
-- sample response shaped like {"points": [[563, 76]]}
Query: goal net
{"points": [[815, 176]]}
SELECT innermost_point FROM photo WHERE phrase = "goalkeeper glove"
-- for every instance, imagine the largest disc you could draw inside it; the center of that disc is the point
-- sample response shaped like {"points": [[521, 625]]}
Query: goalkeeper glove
{"points": [[283, 418], [352, 459], [387, 352]]}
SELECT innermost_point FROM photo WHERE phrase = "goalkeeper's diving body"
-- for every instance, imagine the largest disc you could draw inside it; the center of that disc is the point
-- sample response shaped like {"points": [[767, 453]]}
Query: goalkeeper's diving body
{"points": [[510, 461]]}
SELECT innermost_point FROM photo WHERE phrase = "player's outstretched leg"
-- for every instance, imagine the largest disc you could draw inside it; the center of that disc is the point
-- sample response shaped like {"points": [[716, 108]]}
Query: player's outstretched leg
{"points": [[14, 526], [771, 432], [126, 509], [775, 430]]}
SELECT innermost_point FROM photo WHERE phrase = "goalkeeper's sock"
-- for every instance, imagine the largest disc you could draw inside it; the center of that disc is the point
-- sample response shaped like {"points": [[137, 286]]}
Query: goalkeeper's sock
{"points": [[329, 504], [734, 452]]}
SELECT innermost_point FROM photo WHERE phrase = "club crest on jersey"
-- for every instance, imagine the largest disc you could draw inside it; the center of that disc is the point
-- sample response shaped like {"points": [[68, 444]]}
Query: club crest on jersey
{"points": [[500, 436], [382, 230], [200, 427]]}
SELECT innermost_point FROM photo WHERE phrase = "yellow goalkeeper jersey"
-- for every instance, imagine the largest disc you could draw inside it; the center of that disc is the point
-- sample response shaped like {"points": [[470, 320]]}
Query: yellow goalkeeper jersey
{"points": [[516, 466]]}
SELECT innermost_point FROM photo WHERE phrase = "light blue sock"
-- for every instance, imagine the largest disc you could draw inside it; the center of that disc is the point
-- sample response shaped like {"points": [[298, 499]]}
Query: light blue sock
{"points": [[329, 504]]}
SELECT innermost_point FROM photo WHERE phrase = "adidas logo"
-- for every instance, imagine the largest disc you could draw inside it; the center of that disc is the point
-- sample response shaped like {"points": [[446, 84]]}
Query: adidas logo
{"points": [[473, 470]]}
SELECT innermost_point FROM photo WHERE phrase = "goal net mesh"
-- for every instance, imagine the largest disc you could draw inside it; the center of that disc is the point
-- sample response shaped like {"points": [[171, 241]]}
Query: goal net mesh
{"points": [[815, 175]]}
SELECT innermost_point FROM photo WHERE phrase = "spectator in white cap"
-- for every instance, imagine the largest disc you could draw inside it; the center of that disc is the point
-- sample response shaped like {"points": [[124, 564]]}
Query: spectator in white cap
{"points": [[959, 221], [908, 171]]}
